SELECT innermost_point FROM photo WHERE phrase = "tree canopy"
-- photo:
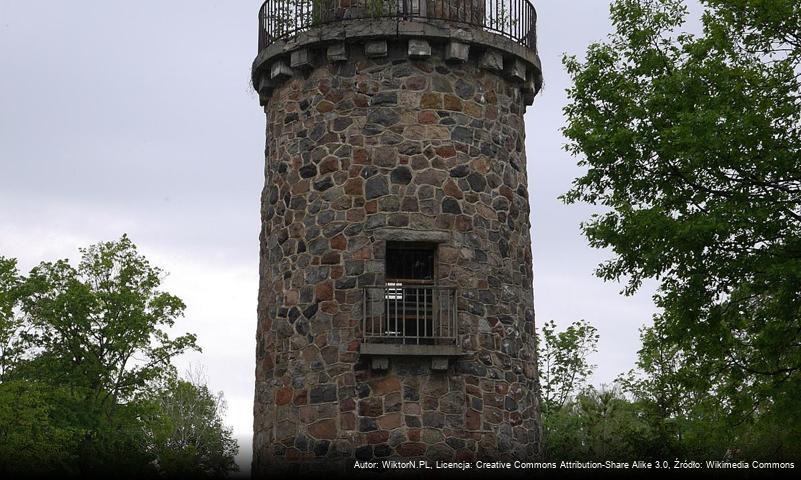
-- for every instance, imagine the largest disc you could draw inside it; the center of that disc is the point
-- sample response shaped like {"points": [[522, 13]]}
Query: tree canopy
{"points": [[86, 374], [101, 327], [185, 430], [691, 142], [563, 361]]}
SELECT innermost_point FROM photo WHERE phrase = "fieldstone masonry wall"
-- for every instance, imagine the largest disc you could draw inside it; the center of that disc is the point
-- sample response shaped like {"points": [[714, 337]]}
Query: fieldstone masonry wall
{"points": [[357, 150]]}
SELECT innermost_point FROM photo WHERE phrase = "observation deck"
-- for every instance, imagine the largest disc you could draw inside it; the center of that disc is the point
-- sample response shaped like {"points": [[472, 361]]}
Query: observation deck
{"points": [[501, 34]]}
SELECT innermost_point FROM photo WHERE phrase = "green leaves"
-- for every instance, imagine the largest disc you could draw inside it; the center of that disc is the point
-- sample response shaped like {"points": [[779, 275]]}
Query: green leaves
{"points": [[664, 409], [101, 326], [36, 437], [597, 424], [563, 363], [10, 324], [692, 143], [185, 430], [86, 365]]}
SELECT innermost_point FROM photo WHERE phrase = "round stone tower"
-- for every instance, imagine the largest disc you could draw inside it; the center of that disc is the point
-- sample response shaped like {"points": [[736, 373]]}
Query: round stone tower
{"points": [[395, 313]]}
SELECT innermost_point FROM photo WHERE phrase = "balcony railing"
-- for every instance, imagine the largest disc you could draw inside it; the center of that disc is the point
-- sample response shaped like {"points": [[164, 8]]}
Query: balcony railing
{"points": [[513, 19], [409, 314]]}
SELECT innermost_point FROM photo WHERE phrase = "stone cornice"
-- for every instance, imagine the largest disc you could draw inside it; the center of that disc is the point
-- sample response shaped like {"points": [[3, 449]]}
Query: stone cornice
{"points": [[518, 62]]}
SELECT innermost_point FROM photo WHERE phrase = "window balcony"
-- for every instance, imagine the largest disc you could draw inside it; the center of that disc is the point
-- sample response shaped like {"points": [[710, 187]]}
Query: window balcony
{"points": [[404, 319]]}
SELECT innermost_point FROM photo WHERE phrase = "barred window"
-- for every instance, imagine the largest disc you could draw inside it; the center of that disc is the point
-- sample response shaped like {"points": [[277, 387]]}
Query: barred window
{"points": [[410, 307], [408, 262]]}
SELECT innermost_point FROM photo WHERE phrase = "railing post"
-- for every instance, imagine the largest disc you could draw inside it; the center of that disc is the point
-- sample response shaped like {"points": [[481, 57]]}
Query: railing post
{"points": [[364, 312], [403, 314], [417, 312], [454, 331]]}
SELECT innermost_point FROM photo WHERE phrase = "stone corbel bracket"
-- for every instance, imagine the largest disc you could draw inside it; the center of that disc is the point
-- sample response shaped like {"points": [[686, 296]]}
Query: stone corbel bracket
{"points": [[331, 42]]}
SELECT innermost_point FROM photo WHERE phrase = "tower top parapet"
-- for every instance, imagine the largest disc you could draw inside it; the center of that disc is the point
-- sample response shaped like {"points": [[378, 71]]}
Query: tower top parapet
{"points": [[501, 34]]}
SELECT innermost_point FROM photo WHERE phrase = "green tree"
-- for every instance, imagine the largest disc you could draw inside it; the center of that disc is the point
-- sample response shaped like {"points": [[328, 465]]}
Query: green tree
{"points": [[36, 437], [87, 367], [692, 142], [579, 421], [563, 363], [186, 433], [597, 424], [655, 384], [10, 323], [101, 327], [612, 427], [98, 331], [693, 422]]}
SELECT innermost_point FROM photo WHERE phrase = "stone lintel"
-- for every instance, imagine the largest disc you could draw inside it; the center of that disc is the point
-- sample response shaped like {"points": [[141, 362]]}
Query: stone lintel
{"points": [[375, 48], [491, 60], [457, 52], [337, 52], [407, 235], [419, 48], [300, 59]]}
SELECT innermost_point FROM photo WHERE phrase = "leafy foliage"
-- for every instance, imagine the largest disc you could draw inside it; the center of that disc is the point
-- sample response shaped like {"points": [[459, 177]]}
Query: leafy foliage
{"points": [[101, 327], [699, 423], [186, 433], [10, 323], [84, 356], [36, 437], [692, 143], [650, 414], [581, 422], [563, 361], [596, 424]]}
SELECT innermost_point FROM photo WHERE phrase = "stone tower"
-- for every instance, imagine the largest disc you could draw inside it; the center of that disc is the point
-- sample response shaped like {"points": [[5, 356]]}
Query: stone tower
{"points": [[395, 313]]}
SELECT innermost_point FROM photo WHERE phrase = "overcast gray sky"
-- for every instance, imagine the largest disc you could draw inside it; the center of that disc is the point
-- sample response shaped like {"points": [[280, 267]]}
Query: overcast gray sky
{"points": [[137, 117]]}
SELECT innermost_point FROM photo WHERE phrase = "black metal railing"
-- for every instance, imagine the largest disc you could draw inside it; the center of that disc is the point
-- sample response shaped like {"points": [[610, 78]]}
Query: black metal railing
{"points": [[513, 19], [409, 314]]}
